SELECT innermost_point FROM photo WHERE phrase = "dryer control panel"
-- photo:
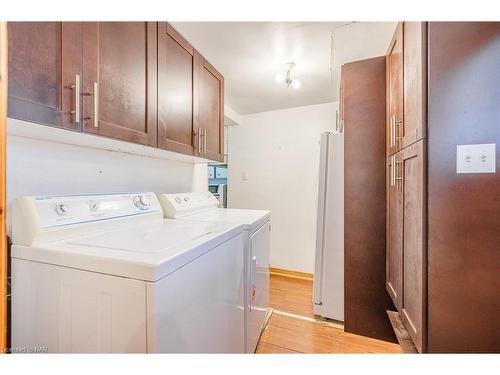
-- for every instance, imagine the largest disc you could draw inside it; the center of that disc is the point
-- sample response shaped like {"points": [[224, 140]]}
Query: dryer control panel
{"points": [[183, 204]]}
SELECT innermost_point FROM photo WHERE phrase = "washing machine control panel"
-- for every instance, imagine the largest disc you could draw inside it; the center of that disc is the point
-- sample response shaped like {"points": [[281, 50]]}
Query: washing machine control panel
{"points": [[54, 211]]}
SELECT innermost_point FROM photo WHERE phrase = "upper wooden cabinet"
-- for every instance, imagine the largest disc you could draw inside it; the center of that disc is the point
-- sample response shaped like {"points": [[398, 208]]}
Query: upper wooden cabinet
{"points": [[45, 69], [120, 85], [140, 82], [414, 82], [406, 86], [211, 110], [177, 88], [394, 91]]}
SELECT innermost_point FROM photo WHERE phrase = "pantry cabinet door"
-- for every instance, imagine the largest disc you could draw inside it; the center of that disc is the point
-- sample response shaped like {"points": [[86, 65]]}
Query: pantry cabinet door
{"points": [[177, 84], [394, 91], [394, 234], [411, 170], [45, 60], [415, 83], [211, 110], [121, 58]]}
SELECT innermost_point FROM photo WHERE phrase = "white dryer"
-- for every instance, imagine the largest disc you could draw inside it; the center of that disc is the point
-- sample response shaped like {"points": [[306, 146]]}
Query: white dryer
{"points": [[202, 207], [106, 273]]}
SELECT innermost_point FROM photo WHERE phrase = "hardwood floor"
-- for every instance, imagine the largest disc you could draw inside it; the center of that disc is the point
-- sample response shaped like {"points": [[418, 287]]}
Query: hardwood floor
{"points": [[293, 328]]}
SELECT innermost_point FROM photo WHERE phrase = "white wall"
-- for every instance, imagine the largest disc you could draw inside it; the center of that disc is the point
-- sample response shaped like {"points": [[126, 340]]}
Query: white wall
{"points": [[41, 167], [279, 151]]}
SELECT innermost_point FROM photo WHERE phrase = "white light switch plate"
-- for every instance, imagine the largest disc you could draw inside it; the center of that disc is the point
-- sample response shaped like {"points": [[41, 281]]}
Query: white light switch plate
{"points": [[476, 158]]}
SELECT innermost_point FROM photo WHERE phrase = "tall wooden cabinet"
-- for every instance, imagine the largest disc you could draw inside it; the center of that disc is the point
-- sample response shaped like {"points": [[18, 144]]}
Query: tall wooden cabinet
{"points": [[442, 225], [45, 69], [139, 82], [405, 129], [363, 111]]}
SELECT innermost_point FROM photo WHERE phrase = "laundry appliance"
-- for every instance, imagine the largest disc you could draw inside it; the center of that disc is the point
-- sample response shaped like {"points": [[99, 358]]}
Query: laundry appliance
{"points": [[107, 273], [203, 207]]}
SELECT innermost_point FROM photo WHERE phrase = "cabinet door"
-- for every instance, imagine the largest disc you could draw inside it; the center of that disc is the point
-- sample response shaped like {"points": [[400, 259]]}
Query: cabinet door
{"points": [[394, 241], [120, 62], [176, 86], [211, 110], [394, 90], [45, 60], [415, 83], [411, 171]]}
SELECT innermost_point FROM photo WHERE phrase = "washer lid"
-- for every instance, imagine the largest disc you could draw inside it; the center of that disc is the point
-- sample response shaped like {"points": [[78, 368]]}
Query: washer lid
{"points": [[145, 252]]}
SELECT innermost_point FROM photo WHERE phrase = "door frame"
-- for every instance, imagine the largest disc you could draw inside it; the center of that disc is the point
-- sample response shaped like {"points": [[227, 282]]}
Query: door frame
{"points": [[3, 237]]}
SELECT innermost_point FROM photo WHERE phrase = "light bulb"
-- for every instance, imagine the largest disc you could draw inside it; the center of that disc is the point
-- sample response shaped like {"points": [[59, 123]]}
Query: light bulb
{"points": [[280, 77], [296, 84]]}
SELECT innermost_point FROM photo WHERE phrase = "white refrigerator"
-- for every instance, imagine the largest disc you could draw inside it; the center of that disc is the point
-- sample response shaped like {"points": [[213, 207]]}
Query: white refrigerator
{"points": [[328, 290]]}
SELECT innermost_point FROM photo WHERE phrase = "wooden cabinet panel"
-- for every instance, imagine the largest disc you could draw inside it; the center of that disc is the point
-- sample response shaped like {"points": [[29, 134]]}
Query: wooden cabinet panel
{"points": [[177, 85], [394, 93], [415, 87], [411, 170], [394, 234], [365, 296], [211, 110], [122, 58], [44, 60], [463, 209]]}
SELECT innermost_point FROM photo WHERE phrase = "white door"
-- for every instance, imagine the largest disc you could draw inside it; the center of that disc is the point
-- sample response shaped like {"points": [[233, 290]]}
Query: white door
{"points": [[200, 307], [258, 303]]}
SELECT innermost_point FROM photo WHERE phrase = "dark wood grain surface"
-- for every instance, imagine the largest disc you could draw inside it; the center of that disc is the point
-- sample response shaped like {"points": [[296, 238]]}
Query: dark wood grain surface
{"points": [[366, 298], [463, 209], [176, 89]]}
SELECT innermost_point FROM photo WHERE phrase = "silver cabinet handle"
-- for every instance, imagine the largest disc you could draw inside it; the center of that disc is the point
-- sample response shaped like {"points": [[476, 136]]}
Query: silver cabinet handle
{"points": [[397, 137], [393, 171], [198, 133], [392, 130], [76, 92], [205, 142], [96, 104], [398, 178], [337, 118]]}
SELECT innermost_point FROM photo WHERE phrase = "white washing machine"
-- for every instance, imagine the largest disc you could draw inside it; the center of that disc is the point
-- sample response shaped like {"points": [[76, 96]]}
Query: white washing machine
{"points": [[202, 207], [106, 273]]}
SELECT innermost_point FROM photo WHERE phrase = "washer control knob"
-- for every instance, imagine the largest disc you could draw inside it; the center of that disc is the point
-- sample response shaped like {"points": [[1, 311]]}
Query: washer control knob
{"points": [[186, 199], [94, 206], [61, 209], [141, 202], [178, 199]]}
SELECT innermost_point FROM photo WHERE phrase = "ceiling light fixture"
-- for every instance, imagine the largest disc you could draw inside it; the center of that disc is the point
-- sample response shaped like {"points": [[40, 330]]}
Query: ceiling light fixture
{"points": [[285, 76]]}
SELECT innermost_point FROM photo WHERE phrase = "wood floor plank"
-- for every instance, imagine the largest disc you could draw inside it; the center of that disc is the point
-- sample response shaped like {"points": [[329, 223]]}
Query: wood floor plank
{"points": [[292, 334]]}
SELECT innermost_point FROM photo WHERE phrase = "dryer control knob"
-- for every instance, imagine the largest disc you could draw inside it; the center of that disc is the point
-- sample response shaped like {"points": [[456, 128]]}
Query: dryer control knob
{"points": [[94, 206], [61, 209], [141, 202]]}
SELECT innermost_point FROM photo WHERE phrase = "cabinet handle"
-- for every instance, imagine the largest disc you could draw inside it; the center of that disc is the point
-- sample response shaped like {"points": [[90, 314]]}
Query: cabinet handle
{"points": [[205, 142], [200, 146], [397, 137], [337, 124], [393, 171], [390, 131], [76, 92], [96, 104], [397, 177]]}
